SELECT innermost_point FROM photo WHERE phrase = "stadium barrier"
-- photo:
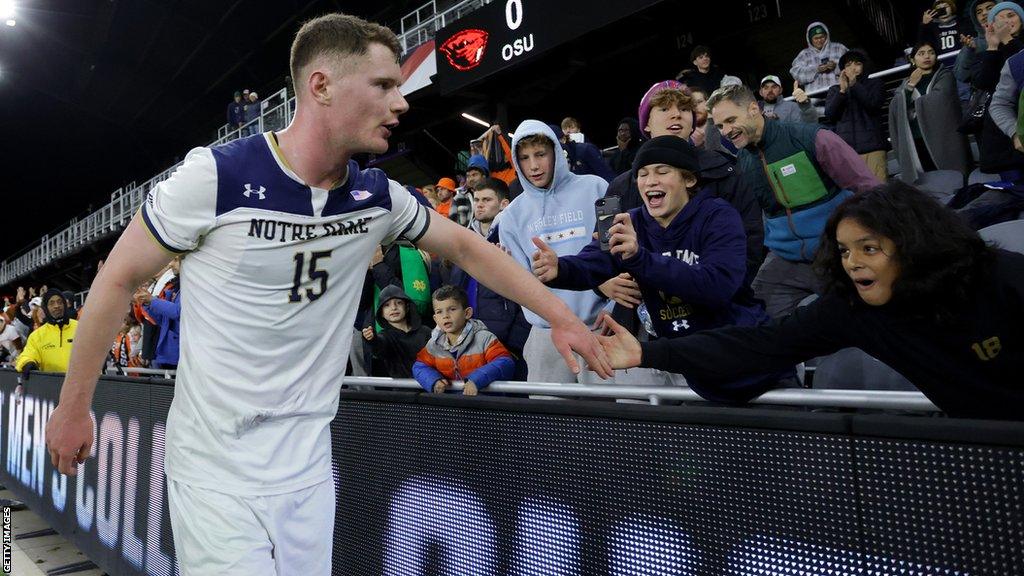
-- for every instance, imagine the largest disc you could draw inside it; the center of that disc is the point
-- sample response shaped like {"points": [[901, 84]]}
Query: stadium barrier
{"points": [[496, 485]]}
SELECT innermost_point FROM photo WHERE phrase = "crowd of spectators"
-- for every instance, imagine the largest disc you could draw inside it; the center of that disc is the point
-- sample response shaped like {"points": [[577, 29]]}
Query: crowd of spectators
{"points": [[723, 202], [38, 332], [243, 110], [725, 214]]}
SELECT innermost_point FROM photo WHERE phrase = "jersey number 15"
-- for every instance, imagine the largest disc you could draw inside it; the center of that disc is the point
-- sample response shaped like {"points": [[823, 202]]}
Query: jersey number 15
{"points": [[313, 274]]}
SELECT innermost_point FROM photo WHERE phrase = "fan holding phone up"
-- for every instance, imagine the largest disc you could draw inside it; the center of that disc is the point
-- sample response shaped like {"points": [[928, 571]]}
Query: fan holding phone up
{"points": [[685, 249]]}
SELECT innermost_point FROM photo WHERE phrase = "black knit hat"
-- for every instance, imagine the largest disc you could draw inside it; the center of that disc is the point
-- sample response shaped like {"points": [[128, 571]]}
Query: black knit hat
{"points": [[671, 150]]}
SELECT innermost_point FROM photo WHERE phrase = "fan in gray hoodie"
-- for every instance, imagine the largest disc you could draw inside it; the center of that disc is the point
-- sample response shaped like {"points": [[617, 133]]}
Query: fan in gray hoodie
{"points": [[817, 66]]}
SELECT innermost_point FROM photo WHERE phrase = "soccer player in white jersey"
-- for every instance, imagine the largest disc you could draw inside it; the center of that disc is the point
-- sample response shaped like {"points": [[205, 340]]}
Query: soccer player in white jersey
{"points": [[276, 232]]}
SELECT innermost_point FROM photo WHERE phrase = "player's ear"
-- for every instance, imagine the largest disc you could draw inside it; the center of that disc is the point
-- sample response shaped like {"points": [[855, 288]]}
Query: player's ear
{"points": [[319, 83]]}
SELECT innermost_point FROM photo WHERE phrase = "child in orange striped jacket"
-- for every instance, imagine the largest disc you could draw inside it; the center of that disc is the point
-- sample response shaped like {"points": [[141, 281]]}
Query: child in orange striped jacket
{"points": [[460, 348]]}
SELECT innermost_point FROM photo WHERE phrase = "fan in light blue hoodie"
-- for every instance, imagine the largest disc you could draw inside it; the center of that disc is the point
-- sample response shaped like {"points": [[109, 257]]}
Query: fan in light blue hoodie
{"points": [[562, 215]]}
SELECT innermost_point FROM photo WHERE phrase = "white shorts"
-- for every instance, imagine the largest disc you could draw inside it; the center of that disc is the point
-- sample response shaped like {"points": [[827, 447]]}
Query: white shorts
{"points": [[223, 534]]}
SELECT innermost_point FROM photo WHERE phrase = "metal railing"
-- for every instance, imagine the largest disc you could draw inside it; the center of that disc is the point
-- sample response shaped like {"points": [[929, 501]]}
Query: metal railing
{"points": [[891, 76], [125, 201], [422, 24], [168, 373], [415, 28], [274, 115], [864, 399]]}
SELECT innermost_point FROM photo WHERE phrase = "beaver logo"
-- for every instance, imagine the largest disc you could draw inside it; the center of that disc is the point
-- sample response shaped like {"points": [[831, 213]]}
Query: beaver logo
{"points": [[465, 50]]}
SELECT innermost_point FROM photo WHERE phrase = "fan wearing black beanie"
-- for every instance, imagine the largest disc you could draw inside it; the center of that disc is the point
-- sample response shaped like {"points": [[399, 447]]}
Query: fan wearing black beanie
{"points": [[685, 249]]}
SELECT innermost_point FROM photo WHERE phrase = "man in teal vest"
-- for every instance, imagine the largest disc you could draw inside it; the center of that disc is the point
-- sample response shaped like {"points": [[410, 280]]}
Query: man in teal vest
{"points": [[799, 173]]}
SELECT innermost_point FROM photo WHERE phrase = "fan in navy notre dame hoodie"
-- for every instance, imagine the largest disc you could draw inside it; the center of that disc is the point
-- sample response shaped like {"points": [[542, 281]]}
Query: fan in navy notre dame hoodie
{"points": [[690, 272]]}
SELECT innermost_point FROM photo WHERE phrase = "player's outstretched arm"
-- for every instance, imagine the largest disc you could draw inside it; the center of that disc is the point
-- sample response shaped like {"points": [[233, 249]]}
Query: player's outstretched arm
{"points": [[135, 258], [499, 272]]}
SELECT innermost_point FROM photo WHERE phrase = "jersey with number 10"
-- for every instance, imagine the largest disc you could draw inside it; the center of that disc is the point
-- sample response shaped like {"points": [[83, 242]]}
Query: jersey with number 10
{"points": [[270, 284]]}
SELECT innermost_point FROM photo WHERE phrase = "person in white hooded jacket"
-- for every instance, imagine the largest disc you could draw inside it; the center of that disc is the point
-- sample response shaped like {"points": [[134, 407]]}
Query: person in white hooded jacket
{"points": [[816, 67], [556, 206]]}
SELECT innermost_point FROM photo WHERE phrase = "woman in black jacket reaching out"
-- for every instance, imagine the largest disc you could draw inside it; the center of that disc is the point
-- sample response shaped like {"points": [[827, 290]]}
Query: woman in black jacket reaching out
{"points": [[907, 282]]}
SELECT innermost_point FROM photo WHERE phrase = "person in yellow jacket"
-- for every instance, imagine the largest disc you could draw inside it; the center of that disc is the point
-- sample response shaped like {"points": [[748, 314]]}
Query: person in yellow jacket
{"points": [[49, 347]]}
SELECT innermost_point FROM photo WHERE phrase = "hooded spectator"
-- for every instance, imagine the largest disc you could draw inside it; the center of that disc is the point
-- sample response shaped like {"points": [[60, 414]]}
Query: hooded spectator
{"points": [[973, 40], [854, 110], [406, 267], [627, 142], [557, 206], [1004, 28], [923, 117], [704, 75], [401, 337], [817, 66], [49, 347]]}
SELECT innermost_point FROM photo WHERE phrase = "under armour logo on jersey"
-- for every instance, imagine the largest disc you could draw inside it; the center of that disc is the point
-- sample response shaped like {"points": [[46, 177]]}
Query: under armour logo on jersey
{"points": [[677, 324], [248, 192], [361, 195]]}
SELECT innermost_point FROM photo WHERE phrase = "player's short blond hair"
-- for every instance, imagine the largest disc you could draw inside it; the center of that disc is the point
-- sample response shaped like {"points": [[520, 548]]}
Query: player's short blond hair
{"points": [[338, 35]]}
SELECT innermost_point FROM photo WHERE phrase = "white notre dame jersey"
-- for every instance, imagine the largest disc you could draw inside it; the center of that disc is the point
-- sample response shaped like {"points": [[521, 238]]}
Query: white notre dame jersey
{"points": [[269, 290]]}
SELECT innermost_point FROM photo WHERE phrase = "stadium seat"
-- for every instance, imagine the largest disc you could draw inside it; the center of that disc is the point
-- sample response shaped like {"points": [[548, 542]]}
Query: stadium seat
{"points": [[941, 184], [1006, 235], [979, 177], [854, 369]]}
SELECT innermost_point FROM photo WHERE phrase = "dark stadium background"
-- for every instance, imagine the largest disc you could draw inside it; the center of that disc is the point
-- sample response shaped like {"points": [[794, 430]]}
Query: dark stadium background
{"points": [[95, 94]]}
